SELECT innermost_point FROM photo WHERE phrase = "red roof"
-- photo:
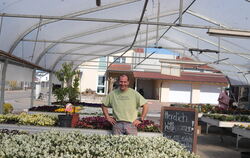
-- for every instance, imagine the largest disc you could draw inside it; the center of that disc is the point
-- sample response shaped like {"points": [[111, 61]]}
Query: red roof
{"points": [[120, 67], [139, 50], [185, 76], [204, 67]]}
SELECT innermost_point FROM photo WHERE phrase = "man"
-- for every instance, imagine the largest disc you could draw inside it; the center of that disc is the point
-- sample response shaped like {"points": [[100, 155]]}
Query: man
{"points": [[224, 99], [125, 103]]}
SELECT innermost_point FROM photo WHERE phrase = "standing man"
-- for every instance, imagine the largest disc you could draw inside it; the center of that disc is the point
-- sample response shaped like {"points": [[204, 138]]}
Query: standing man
{"points": [[125, 103], [224, 99]]}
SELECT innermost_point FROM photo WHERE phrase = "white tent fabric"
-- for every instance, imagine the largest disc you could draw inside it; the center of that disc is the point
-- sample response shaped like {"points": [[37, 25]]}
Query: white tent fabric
{"points": [[16, 72], [48, 33]]}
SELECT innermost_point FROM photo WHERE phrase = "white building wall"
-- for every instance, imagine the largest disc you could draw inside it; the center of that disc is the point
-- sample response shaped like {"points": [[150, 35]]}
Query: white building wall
{"points": [[209, 94], [45, 78], [89, 79], [195, 93], [164, 92], [180, 92], [151, 64], [90, 72]]}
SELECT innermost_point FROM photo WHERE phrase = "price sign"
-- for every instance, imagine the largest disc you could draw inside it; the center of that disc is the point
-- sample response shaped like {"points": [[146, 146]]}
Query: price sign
{"points": [[180, 124]]}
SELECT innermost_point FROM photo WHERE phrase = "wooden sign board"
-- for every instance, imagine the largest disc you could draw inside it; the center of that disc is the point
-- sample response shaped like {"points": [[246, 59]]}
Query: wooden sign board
{"points": [[180, 125]]}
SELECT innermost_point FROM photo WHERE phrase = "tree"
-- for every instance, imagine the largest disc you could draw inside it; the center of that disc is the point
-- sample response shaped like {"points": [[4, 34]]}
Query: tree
{"points": [[66, 76]]}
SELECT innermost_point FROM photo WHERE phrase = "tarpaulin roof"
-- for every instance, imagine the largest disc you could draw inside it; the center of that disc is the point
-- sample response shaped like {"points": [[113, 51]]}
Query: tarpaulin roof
{"points": [[50, 32]]}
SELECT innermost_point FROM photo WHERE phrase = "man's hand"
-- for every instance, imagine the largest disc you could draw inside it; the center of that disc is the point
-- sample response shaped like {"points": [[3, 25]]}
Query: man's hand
{"points": [[106, 114], [136, 122], [111, 120]]}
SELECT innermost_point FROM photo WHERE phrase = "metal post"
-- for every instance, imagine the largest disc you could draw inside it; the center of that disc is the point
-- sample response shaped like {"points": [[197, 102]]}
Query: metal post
{"points": [[180, 12], [208, 125], [80, 87], [106, 77], [33, 84], [3, 78], [50, 88], [157, 26]]}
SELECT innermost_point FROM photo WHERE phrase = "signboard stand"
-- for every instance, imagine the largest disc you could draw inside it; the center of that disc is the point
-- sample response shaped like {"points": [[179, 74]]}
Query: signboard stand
{"points": [[180, 124]]}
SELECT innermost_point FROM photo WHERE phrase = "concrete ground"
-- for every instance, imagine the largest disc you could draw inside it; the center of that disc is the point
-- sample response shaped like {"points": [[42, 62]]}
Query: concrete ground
{"points": [[208, 145]]}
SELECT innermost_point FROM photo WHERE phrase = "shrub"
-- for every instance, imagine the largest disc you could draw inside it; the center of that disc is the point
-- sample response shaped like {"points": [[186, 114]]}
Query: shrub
{"points": [[45, 108], [95, 122], [12, 132], [98, 122], [226, 117], [75, 144], [29, 119], [148, 126], [68, 76], [7, 108]]}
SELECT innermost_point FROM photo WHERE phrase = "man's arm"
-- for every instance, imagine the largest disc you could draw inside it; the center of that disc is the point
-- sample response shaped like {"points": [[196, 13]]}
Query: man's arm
{"points": [[143, 115], [144, 111], [106, 114]]}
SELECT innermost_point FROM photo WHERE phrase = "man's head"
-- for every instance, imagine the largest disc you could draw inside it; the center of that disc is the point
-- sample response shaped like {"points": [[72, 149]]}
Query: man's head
{"points": [[123, 82]]}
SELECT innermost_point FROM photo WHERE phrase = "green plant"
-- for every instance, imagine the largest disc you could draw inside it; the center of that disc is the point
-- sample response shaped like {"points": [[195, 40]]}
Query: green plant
{"points": [[73, 91], [60, 94], [7, 108], [66, 75]]}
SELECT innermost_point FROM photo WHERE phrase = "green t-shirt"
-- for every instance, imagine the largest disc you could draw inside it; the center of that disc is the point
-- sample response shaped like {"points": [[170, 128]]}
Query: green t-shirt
{"points": [[124, 104]]}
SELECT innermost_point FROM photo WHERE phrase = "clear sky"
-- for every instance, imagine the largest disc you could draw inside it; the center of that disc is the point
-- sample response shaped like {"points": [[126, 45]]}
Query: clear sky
{"points": [[160, 51]]}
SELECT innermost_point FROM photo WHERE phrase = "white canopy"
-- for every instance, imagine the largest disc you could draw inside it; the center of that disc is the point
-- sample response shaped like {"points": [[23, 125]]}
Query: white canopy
{"points": [[50, 32]]}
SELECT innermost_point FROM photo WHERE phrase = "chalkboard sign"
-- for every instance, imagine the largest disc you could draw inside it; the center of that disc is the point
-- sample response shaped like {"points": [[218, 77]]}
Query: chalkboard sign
{"points": [[180, 124]]}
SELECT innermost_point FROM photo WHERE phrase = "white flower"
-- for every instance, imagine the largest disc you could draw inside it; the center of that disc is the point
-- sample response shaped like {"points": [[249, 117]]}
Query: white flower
{"points": [[74, 144]]}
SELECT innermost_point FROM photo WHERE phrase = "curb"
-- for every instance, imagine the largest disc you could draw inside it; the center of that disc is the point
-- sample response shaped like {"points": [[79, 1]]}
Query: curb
{"points": [[37, 129]]}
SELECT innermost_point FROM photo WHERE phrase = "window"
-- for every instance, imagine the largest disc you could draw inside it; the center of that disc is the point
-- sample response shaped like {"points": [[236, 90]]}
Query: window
{"points": [[120, 60], [102, 63], [101, 85]]}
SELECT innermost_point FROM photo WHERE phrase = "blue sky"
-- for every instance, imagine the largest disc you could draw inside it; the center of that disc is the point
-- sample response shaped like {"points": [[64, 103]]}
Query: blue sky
{"points": [[160, 51]]}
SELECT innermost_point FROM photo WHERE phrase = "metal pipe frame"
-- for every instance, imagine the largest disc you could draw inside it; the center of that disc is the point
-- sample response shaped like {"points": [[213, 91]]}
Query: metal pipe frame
{"points": [[18, 61], [3, 78], [96, 31], [111, 21], [79, 13]]}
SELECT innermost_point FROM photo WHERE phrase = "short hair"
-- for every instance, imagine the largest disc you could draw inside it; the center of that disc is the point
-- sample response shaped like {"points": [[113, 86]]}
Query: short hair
{"points": [[124, 75]]}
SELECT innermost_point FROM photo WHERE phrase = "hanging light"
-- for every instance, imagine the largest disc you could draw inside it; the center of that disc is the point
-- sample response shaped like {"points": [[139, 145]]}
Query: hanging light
{"points": [[98, 3]]}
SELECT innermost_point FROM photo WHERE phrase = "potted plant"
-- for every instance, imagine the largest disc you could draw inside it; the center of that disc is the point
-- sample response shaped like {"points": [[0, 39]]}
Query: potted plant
{"points": [[70, 82]]}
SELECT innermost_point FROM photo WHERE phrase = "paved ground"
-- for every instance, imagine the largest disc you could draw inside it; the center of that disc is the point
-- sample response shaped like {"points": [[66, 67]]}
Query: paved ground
{"points": [[209, 146]]}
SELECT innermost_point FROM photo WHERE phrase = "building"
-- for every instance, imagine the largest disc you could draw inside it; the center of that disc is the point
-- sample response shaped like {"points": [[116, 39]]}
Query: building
{"points": [[163, 77]]}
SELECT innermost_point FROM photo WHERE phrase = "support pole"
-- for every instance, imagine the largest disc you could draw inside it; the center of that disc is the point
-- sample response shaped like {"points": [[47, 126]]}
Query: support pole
{"points": [[3, 78], [106, 77], [180, 12], [50, 88], [33, 85]]}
